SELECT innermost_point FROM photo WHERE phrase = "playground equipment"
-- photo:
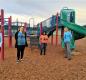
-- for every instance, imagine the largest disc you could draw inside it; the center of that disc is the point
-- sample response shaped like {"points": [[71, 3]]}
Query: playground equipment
{"points": [[25, 27], [49, 26], [31, 20], [8, 21], [65, 19], [2, 30], [34, 38], [54, 23], [34, 41], [56, 29], [68, 20]]}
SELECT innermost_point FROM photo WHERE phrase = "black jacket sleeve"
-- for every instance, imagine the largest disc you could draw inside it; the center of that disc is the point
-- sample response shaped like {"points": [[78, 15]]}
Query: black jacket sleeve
{"points": [[16, 36]]}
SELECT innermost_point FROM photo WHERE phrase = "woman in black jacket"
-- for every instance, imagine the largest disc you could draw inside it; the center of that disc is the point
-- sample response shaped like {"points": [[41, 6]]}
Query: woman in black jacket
{"points": [[21, 43]]}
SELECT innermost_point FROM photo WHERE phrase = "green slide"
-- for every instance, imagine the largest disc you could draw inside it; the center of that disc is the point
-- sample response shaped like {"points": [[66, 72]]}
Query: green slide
{"points": [[78, 32]]}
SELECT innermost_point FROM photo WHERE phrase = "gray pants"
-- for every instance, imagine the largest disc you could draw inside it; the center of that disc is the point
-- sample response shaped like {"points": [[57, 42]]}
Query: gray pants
{"points": [[67, 50]]}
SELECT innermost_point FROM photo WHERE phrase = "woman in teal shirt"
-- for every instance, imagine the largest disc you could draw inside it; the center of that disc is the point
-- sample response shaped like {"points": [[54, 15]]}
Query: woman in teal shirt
{"points": [[21, 43], [67, 40]]}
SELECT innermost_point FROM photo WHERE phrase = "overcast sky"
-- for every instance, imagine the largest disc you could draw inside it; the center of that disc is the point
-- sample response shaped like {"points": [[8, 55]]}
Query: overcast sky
{"points": [[42, 9]]}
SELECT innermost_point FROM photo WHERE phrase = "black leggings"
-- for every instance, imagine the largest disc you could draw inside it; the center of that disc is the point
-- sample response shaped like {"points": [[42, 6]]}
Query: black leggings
{"points": [[20, 51]]}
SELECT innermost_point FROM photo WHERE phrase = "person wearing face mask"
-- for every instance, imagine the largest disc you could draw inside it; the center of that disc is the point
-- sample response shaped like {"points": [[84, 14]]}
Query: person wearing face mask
{"points": [[43, 43]]}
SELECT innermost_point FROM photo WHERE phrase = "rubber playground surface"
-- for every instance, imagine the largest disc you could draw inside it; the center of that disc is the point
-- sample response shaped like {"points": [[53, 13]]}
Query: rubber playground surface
{"points": [[52, 66]]}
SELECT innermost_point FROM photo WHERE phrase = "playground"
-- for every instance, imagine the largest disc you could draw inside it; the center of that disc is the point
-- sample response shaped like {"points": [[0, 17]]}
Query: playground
{"points": [[52, 66]]}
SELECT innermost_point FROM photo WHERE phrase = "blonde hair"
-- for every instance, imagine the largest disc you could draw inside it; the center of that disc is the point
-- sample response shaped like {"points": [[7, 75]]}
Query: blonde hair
{"points": [[66, 29]]}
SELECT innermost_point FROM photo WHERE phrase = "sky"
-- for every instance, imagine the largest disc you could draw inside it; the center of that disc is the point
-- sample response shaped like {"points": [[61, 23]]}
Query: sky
{"points": [[42, 9]]}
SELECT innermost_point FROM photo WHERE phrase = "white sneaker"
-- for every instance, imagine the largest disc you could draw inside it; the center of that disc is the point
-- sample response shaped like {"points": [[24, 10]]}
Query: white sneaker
{"points": [[21, 60], [17, 61]]}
